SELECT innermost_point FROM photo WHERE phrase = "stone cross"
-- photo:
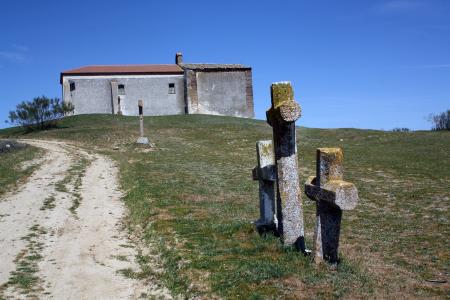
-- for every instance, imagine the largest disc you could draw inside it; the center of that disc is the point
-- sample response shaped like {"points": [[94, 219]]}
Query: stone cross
{"points": [[282, 116], [142, 139], [332, 195], [265, 173]]}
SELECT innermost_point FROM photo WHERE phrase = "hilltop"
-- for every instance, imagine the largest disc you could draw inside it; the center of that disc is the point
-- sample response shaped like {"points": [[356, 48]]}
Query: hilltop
{"points": [[193, 199]]}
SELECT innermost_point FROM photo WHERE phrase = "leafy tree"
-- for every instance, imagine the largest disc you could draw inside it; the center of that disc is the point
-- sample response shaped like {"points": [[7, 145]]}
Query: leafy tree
{"points": [[40, 113], [440, 121]]}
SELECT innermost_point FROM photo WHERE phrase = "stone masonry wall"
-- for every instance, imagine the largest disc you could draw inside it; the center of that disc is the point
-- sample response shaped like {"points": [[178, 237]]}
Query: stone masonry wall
{"points": [[224, 93], [218, 92], [191, 97], [93, 94]]}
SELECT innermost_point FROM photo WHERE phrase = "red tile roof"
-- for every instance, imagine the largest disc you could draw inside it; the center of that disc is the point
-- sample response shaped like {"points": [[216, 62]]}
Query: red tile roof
{"points": [[124, 70]]}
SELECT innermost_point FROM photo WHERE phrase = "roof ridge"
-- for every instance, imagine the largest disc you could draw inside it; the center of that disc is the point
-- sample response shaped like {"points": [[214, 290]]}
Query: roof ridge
{"points": [[214, 66], [119, 65], [123, 69]]}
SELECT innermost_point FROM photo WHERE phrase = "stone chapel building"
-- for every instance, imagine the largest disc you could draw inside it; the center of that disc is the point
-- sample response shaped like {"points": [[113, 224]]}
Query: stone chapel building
{"points": [[170, 89]]}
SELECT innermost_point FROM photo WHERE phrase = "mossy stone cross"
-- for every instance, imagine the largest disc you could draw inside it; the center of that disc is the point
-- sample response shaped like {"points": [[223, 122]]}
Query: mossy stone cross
{"points": [[332, 195]]}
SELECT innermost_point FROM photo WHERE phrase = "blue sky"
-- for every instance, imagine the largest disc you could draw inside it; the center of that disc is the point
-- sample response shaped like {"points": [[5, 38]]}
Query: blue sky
{"points": [[365, 63]]}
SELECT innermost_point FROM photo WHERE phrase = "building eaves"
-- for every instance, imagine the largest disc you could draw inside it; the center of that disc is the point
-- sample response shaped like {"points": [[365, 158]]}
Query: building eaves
{"points": [[171, 69], [214, 67]]}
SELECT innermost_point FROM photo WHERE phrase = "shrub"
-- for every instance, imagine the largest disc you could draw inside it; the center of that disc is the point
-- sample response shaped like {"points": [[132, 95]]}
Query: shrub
{"points": [[404, 129], [440, 121], [40, 113]]}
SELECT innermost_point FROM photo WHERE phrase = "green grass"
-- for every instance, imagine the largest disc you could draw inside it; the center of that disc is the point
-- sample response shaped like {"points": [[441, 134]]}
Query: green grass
{"points": [[24, 278], [11, 171], [74, 175], [49, 203], [79, 170], [194, 201]]}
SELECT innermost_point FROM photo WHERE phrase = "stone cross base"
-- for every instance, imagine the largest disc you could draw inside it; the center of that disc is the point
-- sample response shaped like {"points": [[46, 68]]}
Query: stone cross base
{"points": [[328, 226], [143, 140]]}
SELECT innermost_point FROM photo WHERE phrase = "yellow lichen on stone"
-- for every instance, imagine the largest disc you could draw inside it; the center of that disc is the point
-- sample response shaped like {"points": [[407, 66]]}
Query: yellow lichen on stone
{"points": [[333, 155], [345, 184], [281, 93], [266, 150]]}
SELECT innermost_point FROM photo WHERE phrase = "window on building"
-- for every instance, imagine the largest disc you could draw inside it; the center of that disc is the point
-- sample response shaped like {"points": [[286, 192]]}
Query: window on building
{"points": [[171, 88], [121, 89], [72, 86]]}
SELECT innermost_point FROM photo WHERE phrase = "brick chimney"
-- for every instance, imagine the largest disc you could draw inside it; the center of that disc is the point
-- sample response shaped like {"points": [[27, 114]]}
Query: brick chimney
{"points": [[179, 58]]}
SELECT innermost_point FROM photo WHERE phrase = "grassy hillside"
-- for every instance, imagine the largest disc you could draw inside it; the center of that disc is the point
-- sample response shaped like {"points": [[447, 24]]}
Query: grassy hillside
{"points": [[15, 166], [194, 199]]}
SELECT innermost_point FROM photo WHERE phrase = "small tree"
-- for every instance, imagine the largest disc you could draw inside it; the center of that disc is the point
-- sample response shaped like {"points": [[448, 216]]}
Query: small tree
{"points": [[440, 121], [40, 113], [398, 129]]}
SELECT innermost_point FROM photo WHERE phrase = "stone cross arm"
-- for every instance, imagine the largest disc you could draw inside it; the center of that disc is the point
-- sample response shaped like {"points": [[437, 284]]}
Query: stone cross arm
{"points": [[284, 107], [268, 173], [338, 192]]}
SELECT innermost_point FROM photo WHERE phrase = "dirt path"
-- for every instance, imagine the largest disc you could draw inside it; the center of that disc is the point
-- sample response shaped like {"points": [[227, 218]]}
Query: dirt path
{"points": [[61, 235]]}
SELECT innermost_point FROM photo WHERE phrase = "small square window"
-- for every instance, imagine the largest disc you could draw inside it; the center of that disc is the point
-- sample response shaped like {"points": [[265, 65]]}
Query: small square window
{"points": [[121, 88], [72, 86], [171, 88]]}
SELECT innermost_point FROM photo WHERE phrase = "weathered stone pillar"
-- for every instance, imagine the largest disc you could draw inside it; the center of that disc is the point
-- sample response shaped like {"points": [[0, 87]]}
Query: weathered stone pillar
{"points": [[191, 97], [282, 116], [67, 94], [142, 139], [115, 97], [249, 94], [141, 117], [265, 173], [332, 195]]}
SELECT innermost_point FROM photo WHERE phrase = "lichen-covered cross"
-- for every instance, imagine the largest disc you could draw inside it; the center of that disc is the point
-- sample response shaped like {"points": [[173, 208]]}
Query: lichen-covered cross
{"points": [[332, 195], [142, 139], [265, 173], [141, 117], [282, 116]]}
